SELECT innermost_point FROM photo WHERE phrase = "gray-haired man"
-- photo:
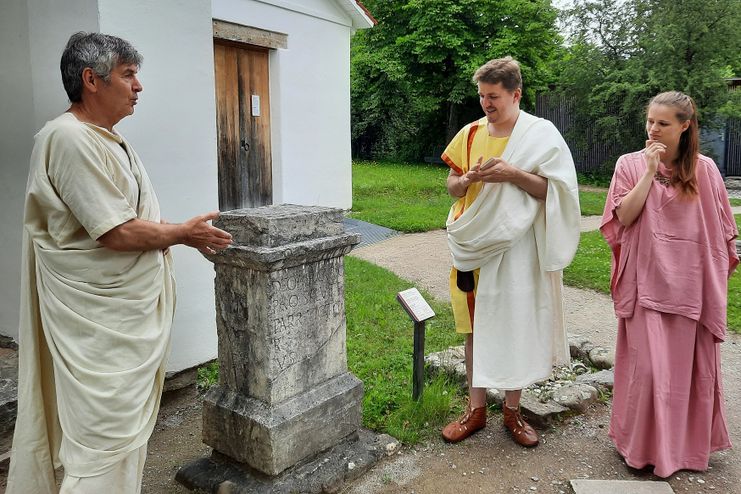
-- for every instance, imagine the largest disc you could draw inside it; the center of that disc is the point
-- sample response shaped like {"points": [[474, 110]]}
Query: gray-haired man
{"points": [[97, 293]]}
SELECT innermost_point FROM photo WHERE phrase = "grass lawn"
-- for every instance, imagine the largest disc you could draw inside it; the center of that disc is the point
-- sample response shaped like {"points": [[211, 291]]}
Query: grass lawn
{"points": [[591, 265], [592, 203], [379, 351], [735, 202], [407, 198], [412, 197]]}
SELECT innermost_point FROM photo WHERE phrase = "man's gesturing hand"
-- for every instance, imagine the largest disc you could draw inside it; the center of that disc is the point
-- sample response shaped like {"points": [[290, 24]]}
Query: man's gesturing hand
{"points": [[205, 237]]}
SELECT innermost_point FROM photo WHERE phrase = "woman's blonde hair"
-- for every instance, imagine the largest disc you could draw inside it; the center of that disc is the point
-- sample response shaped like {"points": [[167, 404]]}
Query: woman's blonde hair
{"points": [[683, 173]]}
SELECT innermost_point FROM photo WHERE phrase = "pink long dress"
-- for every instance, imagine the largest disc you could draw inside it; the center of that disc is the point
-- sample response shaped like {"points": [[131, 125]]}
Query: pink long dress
{"points": [[670, 272]]}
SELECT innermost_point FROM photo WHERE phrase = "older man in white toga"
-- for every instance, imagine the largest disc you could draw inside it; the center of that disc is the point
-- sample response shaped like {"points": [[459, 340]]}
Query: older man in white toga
{"points": [[98, 294]]}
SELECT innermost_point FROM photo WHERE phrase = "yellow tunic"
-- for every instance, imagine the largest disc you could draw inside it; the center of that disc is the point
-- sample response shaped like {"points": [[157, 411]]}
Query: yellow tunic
{"points": [[95, 323], [471, 143]]}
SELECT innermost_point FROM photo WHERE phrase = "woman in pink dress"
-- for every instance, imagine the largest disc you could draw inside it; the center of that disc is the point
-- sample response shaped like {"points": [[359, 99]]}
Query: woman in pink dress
{"points": [[671, 230]]}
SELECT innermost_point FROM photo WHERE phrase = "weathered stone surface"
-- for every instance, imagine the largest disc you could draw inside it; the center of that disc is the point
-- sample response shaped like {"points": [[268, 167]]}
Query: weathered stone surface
{"points": [[273, 226], [284, 392], [576, 396], [326, 473], [273, 438], [603, 379], [272, 259], [538, 413], [589, 486], [8, 342], [181, 379], [545, 402], [8, 389], [8, 405], [575, 343], [292, 320], [601, 358], [450, 362]]}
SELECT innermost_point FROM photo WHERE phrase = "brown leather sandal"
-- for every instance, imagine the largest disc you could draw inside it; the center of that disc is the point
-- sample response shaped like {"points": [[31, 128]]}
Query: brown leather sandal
{"points": [[472, 420], [522, 432]]}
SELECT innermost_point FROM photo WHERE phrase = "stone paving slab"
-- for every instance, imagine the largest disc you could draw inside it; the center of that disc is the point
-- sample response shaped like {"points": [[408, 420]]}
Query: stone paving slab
{"points": [[369, 232], [584, 486]]}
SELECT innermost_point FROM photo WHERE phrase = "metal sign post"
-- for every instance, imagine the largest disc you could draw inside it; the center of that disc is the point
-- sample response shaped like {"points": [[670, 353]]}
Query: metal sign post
{"points": [[419, 310]]}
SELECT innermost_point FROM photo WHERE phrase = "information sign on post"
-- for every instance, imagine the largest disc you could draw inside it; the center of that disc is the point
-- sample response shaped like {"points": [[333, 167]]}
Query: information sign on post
{"points": [[419, 310]]}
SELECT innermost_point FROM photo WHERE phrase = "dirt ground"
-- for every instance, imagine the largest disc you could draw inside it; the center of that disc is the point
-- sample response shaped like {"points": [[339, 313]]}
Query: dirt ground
{"points": [[489, 462]]}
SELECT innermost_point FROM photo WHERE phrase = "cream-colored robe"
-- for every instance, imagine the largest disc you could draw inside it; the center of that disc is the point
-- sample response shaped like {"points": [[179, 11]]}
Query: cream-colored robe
{"points": [[95, 323], [521, 245]]}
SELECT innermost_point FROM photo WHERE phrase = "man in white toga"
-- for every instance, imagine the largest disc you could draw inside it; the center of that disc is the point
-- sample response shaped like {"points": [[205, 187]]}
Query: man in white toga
{"points": [[98, 294]]}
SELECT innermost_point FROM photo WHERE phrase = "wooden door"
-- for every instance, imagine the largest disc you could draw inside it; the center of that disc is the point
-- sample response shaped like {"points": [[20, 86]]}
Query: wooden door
{"points": [[243, 125]]}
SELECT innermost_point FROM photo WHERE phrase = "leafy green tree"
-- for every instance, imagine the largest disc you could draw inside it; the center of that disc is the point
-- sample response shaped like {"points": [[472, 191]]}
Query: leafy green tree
{"points": [[622, 52], [411, 74]]}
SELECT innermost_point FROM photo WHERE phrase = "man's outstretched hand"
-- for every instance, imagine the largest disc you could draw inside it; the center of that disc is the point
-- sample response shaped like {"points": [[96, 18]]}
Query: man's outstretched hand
{"points": [[201, 235]]}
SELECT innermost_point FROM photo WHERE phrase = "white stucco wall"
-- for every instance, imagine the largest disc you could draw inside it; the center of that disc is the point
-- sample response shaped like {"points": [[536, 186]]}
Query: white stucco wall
{"points": [[16, 137], [32, 37], [310, 97]]}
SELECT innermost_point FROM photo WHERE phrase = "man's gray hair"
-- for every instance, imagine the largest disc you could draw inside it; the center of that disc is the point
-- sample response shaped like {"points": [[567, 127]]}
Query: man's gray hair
{"points": [[100, 52]]}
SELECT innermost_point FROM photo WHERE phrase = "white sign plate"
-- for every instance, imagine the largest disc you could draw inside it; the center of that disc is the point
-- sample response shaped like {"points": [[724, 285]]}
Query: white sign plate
{"points": [[415, 305]]}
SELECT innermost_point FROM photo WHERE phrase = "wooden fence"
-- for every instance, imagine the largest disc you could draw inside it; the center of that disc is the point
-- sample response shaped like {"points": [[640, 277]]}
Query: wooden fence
{"points": [[592, 154], [733, 147]]}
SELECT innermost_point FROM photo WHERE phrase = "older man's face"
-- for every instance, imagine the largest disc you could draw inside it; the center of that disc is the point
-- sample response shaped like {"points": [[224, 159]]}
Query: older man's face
{"points": [[121, 92]]}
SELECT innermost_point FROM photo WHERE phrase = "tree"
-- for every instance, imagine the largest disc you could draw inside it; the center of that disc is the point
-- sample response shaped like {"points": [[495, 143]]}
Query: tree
{"points": [[411, 74], [625, 51]]}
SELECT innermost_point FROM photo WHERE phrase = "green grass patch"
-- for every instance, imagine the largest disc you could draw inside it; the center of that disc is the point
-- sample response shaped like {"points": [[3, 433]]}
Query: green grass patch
{"points": [[591, 265], [594, 179], [734, 303], [592, 203], [403, 197], [735, 201], [379, 351], [208, 375]]}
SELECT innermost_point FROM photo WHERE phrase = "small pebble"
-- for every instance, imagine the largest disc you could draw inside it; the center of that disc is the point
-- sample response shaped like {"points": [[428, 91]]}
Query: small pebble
{"points": [[700, 481], [534, 479]]}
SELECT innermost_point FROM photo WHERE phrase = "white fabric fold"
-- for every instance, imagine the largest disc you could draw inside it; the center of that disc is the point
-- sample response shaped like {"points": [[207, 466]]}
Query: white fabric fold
{"points": [[521, 245], [95, 323]]}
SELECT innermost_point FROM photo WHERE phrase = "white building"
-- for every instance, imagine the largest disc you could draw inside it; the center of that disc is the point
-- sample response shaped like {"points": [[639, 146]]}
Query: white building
{"points": [[245, 102]]}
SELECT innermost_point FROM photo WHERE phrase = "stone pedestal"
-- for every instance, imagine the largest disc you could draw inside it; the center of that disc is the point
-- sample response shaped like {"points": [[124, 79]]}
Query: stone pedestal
{"points": [[284, 392]]}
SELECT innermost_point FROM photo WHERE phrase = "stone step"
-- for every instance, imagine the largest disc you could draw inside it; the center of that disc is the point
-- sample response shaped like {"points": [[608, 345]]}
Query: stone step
{"points": [[590, 486]]}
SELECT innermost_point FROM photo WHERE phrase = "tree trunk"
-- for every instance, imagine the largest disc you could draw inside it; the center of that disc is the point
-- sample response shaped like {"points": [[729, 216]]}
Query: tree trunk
{"points": [[453, 125]]}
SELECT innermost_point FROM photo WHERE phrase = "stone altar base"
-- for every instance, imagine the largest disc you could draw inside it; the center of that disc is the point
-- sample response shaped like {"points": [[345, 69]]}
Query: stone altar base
{"points": [[325, 473], [273, 438]]}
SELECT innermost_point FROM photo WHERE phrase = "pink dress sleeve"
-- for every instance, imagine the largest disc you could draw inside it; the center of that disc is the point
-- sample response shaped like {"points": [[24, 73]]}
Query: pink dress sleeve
{"points": [[623, 181], [728, 222]]}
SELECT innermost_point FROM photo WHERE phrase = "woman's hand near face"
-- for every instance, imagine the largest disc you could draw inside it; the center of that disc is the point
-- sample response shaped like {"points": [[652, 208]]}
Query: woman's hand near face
{"points": [[653, 152]]}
